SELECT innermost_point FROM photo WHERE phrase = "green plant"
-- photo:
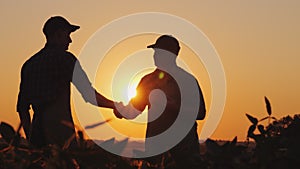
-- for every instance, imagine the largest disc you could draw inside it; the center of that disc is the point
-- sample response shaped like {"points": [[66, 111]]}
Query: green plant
{"points": [[273, 144], [227, 155], [17, 153]]}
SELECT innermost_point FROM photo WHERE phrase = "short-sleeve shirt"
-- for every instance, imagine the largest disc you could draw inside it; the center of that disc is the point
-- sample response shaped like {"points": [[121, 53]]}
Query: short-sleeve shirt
{"points": [[165, 82]]}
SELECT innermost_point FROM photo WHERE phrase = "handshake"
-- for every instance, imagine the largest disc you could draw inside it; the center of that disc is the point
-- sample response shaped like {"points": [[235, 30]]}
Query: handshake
{"points": [[127, 112], [119, 107]]}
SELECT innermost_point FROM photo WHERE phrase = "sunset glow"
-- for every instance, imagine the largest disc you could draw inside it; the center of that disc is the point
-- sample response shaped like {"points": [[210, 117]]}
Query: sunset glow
{"points": [[257, 43], [131, 91]]}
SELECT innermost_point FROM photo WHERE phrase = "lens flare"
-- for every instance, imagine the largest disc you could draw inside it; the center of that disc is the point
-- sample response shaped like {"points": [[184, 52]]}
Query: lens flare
{"points": [[131, 91]]}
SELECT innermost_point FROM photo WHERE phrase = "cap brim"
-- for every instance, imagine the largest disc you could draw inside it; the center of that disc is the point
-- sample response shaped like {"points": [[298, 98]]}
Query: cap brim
{"points": [[151, 46], [73, 28]]}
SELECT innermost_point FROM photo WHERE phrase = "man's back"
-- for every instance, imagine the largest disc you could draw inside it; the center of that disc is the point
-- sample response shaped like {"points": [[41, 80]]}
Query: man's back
{"points": [[45, 85], [47, 74], [158, 122]]}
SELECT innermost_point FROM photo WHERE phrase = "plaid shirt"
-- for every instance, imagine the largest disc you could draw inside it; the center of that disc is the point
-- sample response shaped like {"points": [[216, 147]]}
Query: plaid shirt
{"points": [[46, 76], [45, 85]]}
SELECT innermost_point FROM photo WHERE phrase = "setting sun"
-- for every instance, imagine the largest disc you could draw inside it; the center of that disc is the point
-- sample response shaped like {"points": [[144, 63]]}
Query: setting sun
{"points": [[131, 91]]}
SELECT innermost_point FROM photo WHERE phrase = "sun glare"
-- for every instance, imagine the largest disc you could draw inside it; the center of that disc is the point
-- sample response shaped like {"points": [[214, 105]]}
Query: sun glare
{"points": [[131, 91], [134, 81]]}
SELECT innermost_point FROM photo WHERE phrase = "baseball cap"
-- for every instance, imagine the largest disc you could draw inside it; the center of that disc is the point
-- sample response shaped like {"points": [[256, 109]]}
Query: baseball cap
{"points": [[166, 42], [58, 22]]}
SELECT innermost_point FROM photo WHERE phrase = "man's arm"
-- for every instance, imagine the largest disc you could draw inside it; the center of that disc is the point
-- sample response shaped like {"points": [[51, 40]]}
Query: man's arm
{"points": [[127, 112], [89, 94], [26, 123], [103, 101], [202, 109], [23, 106]]}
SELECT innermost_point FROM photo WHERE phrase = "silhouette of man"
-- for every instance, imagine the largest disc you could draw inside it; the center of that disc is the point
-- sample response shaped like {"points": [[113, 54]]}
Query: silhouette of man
{"points": [[45, 85], [163, 112]]}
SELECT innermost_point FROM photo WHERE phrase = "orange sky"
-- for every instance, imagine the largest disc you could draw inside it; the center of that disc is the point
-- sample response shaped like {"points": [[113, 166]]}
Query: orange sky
{"points": [[257, 42]]}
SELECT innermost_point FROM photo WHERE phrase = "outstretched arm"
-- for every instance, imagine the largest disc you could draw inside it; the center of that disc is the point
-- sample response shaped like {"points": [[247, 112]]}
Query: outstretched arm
{"points": [[202, 109], [88, 92], [127, 112], [103, 101]]}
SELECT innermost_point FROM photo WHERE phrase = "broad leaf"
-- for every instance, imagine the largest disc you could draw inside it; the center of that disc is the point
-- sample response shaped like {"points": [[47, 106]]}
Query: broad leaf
{"points": [[251, 130], [268, 106], [252, 119], [261, 129]]}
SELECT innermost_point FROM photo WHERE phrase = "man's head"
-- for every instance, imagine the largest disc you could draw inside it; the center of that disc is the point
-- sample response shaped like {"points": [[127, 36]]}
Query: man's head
{"points": [[168, 43], [166, 49], [57, 31]]}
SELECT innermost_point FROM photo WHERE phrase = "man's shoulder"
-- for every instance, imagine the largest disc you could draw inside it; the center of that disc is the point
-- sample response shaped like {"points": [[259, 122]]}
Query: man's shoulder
{"points": [[44, 55], [157, 73], [147, 79], [150, 75], [32, 59], [186, 74], [71, 56]]}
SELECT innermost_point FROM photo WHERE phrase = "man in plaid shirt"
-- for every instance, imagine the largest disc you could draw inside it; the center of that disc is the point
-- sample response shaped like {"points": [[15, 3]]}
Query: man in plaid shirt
{"points": [[45, 85]]}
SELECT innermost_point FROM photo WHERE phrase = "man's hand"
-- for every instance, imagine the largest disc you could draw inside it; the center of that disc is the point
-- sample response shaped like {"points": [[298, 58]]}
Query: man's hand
{"points": [[118, 107], [127, 112], [26, 123]]}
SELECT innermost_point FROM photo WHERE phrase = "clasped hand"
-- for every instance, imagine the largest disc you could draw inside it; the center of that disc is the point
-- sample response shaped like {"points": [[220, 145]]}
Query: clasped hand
{"points": [[119, 107]]}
